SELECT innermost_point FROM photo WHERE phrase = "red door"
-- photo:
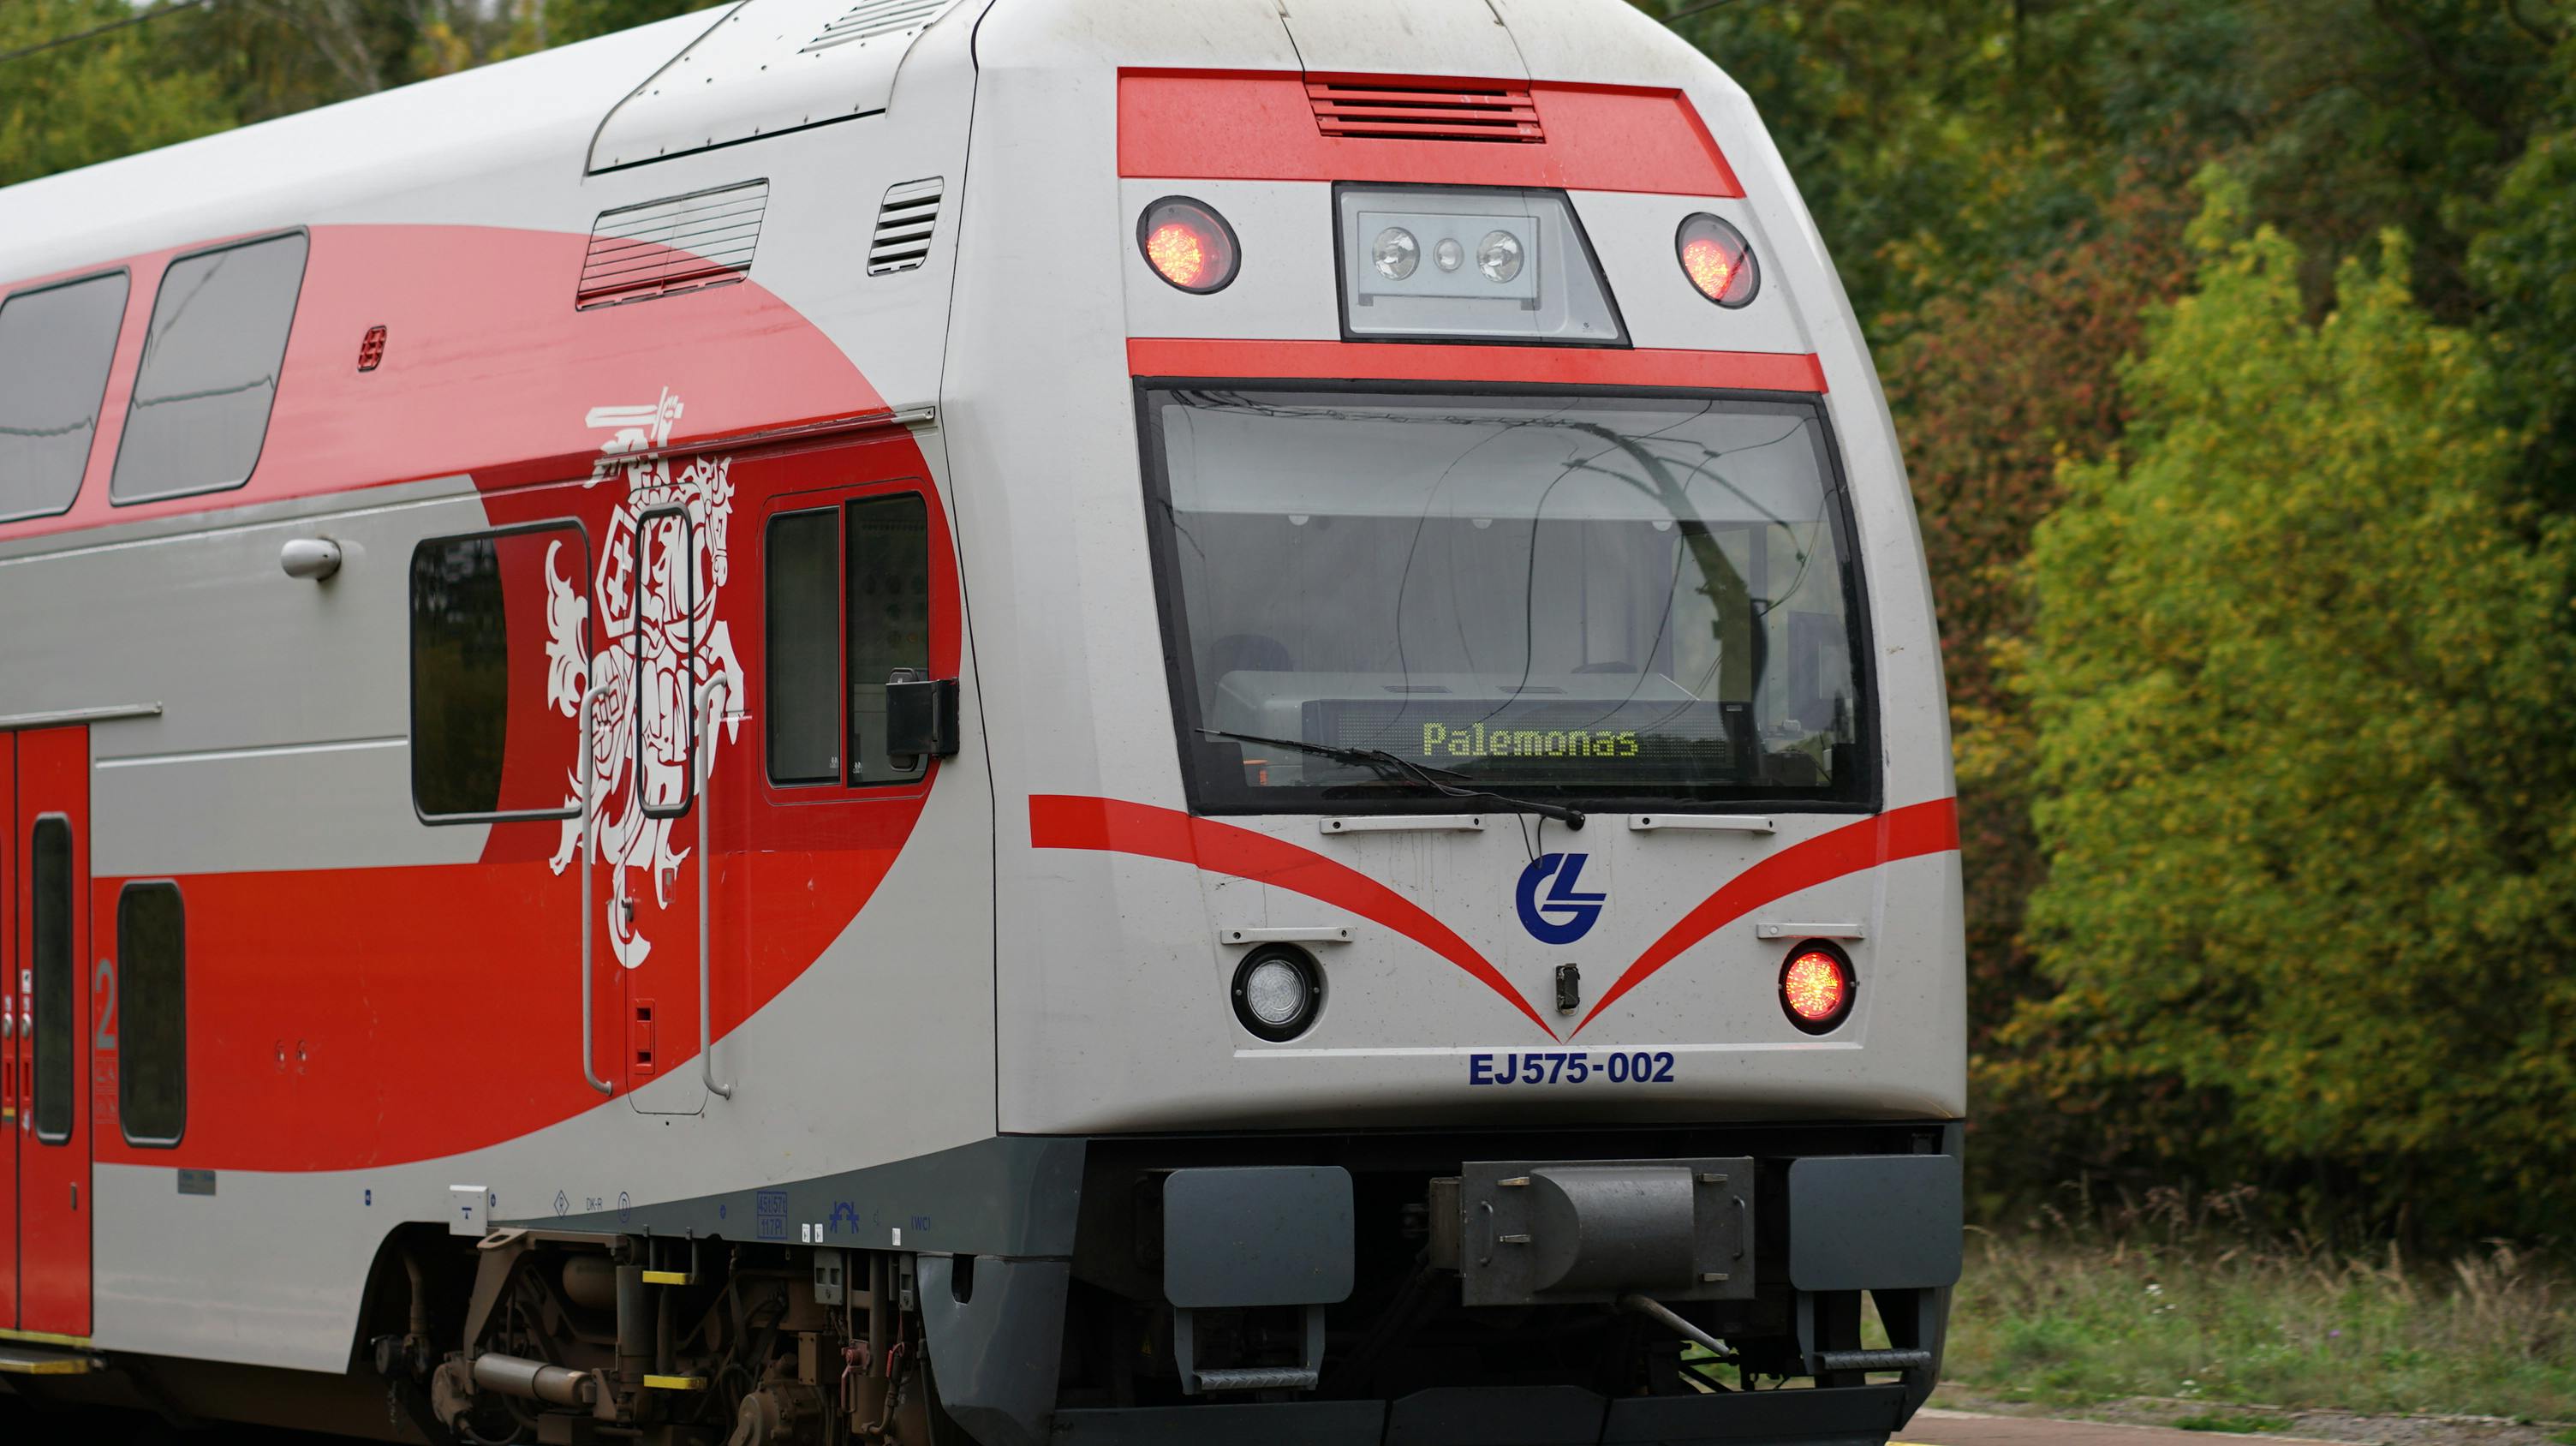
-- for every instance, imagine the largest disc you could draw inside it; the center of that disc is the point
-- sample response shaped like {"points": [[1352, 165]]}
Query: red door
{"points": [[48, 862], [671, 599], [13, 1074]]}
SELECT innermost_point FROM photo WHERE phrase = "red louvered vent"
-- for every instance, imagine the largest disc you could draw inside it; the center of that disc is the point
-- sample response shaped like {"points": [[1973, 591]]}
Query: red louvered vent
{"points": [[1425, 112]]}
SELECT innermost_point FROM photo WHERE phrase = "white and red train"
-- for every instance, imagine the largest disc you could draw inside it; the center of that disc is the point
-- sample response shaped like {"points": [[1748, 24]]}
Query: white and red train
{"points": [[1002, 720]]}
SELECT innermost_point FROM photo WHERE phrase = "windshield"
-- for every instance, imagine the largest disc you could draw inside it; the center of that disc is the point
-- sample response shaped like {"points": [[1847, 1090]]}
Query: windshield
{"points": [[1589, 599]]}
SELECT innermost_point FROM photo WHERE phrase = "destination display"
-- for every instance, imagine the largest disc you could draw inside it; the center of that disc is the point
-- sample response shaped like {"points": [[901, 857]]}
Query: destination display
{"points": [[1557, 736]]}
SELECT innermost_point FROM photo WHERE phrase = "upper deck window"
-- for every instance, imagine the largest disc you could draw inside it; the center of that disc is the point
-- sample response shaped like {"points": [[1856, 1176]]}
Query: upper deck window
{"points": [[209, 374], [1592, 600], [55, 346]]}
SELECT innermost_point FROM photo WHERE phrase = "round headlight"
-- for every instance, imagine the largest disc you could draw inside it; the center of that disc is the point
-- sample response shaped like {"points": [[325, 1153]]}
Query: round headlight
{"points": [[1278, 991], [1718, 261], [1188, 244], [1450, 255], [1396, 253], [1816, 987], [1499, 256]]}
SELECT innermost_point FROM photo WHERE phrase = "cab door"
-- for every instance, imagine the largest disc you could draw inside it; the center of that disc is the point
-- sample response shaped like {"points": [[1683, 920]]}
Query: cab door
{"points": [[48, 863], [671, 591], [13, 1072]]}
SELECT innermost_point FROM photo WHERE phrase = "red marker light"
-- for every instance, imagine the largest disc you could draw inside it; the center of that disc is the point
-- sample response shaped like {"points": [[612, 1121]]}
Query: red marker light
{"points": [[1188, 244], [1718, 261], [1816, 988]]}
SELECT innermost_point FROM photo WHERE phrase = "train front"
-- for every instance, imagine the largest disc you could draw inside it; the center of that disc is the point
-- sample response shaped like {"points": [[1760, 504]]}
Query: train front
{"points": [[1479, 948]]}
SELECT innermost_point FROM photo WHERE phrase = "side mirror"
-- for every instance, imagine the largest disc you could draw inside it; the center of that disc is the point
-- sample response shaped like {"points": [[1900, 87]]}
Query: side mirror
{"points": [[921, 718]]}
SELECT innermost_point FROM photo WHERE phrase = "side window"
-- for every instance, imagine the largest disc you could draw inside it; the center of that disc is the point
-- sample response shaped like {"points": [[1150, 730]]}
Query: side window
{"points": [[803, 578], [848, 608], [209, 373], [499, 645], [152, 1014], [55, 346], [50, 853], [889, 551]]}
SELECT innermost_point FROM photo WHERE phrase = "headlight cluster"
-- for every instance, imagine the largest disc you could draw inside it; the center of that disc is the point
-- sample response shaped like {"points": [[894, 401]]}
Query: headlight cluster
{"points": [[1397, 254]]}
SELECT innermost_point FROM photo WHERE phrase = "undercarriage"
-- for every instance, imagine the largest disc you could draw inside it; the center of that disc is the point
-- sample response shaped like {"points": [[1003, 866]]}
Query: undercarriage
{"points": [[1410, 1289]]}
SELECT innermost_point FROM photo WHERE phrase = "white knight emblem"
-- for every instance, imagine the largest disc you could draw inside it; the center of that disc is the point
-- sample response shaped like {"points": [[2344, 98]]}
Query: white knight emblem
{"points": [[659, 645]]}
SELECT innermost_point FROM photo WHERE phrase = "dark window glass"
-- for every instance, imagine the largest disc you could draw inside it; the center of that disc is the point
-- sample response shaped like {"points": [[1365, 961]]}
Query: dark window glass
{"points": [[468, 596], [209, 371], [51, 854], [804, 683], [55, 346], [152, 1014], [889, 622]]}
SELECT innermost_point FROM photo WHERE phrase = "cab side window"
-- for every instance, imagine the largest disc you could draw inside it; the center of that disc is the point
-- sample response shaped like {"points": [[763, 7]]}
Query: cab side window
{"points": [[889, 622], [848, 608]]}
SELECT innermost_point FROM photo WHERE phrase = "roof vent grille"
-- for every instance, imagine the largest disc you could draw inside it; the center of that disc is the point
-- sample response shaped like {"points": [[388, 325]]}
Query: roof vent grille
{"points": [[871, 18], [904, 224], [682, 243], [1425, 113]]}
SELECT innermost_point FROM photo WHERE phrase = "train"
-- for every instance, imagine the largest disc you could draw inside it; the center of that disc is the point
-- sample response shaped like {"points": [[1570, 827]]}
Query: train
{"points": [[1000, 721]]}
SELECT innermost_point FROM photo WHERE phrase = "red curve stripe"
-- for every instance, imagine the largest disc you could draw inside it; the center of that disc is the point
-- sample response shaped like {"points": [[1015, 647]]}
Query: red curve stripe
{"points": [[1388, 361], [1062, 821], [1904, 833]]}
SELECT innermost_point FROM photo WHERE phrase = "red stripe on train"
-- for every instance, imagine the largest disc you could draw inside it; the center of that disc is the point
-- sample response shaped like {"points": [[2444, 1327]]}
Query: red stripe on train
{"points": [[1903, 833], [1576, 366], [1058, 821]]}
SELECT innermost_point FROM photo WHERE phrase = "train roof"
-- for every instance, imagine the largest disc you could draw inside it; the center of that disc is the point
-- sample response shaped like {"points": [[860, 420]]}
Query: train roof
{"points": [[438, 151]]}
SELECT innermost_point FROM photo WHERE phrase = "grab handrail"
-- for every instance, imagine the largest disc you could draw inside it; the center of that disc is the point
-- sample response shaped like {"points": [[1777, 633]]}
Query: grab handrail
{"points": [[589, 845], [718, 690]]}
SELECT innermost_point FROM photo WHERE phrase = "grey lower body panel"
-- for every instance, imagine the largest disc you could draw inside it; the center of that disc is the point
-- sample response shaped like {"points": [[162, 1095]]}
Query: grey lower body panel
{"points": [[1013, 1195], [996, 1334]]}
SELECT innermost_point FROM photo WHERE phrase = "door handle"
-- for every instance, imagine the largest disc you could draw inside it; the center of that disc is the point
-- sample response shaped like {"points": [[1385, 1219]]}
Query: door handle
{"points": [[718, 691], [589, 843]]}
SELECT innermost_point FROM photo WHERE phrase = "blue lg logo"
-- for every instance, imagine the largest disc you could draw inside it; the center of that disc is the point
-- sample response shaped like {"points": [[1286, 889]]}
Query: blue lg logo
{"points": [[1564, 913]]}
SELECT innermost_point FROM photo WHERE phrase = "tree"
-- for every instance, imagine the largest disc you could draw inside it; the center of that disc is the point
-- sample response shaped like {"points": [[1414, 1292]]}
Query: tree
{"points": [[2518, 263], [94, 100], [2302, 666]]}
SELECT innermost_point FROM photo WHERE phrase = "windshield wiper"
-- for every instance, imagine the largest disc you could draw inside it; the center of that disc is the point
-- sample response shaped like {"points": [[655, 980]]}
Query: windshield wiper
{"points": [[1398, 768]]}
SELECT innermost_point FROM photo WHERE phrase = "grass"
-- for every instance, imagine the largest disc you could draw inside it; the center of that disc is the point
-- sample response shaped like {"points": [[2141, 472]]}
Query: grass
{"points": [[2172, 1300], [2236, 1425]]}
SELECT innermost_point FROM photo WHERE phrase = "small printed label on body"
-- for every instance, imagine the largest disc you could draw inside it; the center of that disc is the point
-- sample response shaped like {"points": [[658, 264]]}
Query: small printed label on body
{"points": [[1571, 1067]]}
